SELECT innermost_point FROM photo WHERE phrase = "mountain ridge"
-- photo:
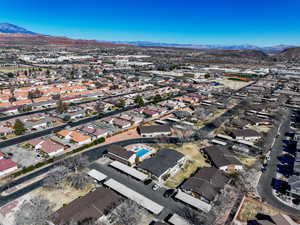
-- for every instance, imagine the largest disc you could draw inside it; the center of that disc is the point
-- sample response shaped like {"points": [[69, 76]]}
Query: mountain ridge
{"points": [[9, 28], [276, 48]]}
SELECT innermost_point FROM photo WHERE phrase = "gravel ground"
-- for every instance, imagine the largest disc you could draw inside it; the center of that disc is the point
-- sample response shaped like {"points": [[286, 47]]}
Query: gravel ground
{"points": [[22, 156]]}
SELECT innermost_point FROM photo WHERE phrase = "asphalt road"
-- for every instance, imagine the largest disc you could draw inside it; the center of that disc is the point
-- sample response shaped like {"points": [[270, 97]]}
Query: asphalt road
{"points": [[264, 187]]}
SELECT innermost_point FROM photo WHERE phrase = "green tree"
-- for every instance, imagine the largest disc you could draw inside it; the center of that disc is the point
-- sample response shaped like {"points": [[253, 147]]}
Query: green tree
{"points": [[157, 98], [121, 103], [19, 128], [61, 106], [139, 101], [47, 73]]}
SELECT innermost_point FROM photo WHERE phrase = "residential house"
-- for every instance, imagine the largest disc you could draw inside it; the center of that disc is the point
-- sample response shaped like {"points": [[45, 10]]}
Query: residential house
{"points": [[121, 123], [47, 146], [75, 136], [164, 163], [4, 131], [95, 133], [119, 153], [7, 166], [247, 134], [222, 158], [206, 183], [94, 205]]}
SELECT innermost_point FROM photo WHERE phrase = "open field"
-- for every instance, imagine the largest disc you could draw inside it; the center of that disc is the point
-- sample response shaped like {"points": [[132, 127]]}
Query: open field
{"points": [[233, 84]]}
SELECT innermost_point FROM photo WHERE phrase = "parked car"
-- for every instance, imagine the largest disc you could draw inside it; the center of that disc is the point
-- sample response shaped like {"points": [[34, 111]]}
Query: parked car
{"points": [[155, 187], [148, 181], [168, 193]]}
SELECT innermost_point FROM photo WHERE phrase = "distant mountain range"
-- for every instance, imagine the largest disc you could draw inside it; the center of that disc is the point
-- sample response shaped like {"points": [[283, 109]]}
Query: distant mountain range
{"points": [[276, 48], [12, 34], [13, 29]]}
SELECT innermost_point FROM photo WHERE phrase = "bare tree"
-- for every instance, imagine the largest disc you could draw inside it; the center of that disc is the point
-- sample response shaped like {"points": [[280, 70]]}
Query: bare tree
{"points": [[198, 135], [129, 212], [36, 211], [182, 114], [56, 176], [223, 202], [76, 163], [247, 180], [192, 216], [79, 181]]}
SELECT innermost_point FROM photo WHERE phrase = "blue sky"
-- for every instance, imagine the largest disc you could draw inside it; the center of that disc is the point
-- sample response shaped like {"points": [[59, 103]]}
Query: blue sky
{"points": [[259, 22]]}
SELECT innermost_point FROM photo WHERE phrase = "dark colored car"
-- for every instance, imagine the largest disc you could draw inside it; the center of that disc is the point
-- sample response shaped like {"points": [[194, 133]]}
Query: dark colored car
{"points": [[168, 193], [148, 181]]}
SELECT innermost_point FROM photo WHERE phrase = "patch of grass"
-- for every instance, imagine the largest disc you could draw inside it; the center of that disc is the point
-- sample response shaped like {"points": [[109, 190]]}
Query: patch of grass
{"points": [[188, 169]]}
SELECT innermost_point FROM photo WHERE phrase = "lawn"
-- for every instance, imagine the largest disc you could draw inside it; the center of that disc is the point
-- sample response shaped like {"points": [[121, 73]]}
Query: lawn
{"points": [[194, 157], [247, 161], [188, 169]]}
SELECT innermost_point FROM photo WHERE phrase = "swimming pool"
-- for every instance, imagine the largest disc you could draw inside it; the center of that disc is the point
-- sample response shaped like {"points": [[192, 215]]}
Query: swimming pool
{"points": [[140, 152]]}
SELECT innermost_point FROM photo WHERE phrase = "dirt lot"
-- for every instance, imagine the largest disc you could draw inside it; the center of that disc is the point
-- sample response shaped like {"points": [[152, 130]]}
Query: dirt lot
{"points": [[251, 207], [194, 157], [61, 196], [232, 83]]}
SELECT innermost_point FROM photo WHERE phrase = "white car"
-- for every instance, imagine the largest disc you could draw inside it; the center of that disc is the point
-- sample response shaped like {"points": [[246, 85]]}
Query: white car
{"points": [[155, 187]]}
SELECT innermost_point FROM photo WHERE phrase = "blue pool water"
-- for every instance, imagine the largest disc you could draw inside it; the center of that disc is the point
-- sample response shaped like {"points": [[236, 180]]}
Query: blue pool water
{"points": [[141, 152]]}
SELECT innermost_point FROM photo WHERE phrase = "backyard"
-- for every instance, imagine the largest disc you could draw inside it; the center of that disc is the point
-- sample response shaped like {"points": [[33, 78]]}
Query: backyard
{"points": [[194, 158]]}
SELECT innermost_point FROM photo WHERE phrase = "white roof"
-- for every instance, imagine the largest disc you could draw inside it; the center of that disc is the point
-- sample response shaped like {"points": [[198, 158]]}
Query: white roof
{"points": [[177, 220], [197, 203], [218, 142], [161, 122], [245, 142], [129, 170], [225, 137], [133, 195], [173, 119], [97, 175]]}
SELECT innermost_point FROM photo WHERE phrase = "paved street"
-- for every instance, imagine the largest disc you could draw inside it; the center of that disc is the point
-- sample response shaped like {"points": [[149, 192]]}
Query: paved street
{"points": [[264, 186]]}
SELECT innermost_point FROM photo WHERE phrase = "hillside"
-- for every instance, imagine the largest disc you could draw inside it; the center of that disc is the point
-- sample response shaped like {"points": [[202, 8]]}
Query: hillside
{"points": [[290, 54], [33, 39]]}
